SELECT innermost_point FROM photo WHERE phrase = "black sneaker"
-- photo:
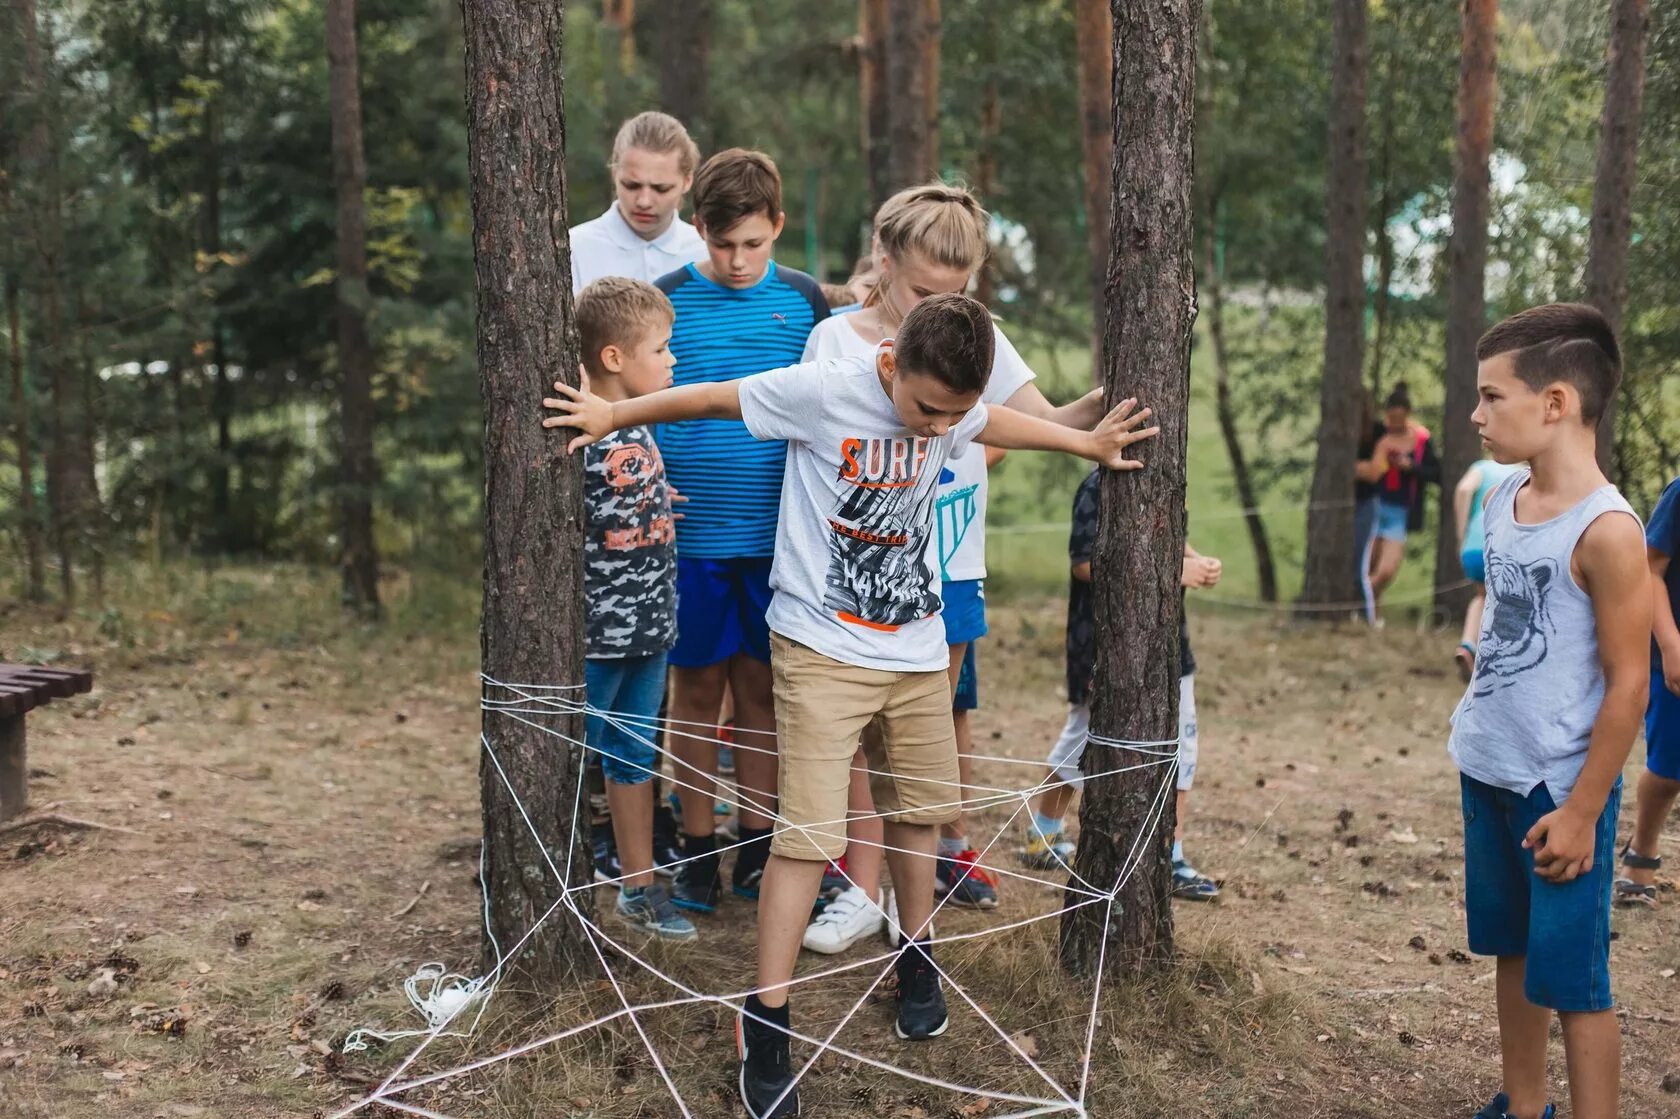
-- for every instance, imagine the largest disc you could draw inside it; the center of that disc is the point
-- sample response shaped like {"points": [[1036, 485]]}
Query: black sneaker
{"points": [[921, 1000], [698, 885], [750, 858], [667, 851], [766, 1072], [607, 866]]}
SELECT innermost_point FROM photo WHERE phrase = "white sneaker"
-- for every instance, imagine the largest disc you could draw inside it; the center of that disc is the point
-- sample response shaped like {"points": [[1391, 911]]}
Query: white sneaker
{"points": [[890, 931], [843, 922]]}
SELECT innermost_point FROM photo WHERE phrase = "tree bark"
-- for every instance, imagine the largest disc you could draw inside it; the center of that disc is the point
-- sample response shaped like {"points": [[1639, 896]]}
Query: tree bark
{"points": [[38, 168], [210, 240], [985, 180], [1126, 819], [29, 516], [1612, 216], [1466, 281], [359, 558], [1094, 25], [1330, 578], [872, 90], [912, 89], [685, 51], [1214, 283], [532, 626]]}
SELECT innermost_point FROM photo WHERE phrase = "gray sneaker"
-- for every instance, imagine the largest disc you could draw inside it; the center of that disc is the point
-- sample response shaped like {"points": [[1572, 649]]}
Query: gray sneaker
{"points": [[650, 909]]}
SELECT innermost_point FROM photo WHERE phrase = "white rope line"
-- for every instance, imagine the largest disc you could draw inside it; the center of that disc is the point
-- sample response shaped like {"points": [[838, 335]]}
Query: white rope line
{"points": [[598, 936]]}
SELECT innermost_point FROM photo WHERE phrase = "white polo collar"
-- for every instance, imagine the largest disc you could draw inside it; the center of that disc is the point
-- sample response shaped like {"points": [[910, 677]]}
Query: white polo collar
{"points": [[628, 238]]}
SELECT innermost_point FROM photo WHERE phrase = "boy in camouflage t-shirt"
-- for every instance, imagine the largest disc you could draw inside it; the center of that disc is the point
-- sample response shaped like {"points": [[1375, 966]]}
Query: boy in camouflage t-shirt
{"points": [[629, 561]]}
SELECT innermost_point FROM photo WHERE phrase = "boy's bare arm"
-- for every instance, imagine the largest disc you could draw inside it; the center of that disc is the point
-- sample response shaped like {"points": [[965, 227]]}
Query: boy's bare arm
{"points": [[1663, 626], [1610, 565], [1105, 445], [1084, 413], [1082, 571], [595, 418]]}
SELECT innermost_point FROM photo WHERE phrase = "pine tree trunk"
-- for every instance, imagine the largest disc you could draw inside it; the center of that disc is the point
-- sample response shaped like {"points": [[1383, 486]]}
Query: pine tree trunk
{"points": [[1612, 217], [1126, 819], [912, 89], [985, 180], [1095, 52], [29, 516], [94, 539], [685, 50], [222, 531], [1214, 284], [1331, 576], [1466, 281], [872, 93], [532, 626], [360, 558]]}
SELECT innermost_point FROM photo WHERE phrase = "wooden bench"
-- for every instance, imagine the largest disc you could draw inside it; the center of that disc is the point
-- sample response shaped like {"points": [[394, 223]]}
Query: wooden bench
{"points": [[23, 688]]}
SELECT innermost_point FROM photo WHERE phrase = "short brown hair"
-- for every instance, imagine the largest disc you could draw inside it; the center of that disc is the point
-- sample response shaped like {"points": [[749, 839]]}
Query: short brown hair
{"points": [[617, 311], [658, 133], [1569, 342], [948, 337], [736, 184]]}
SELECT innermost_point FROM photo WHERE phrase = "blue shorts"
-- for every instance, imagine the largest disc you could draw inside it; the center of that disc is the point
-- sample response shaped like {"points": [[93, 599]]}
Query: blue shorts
{"points": [[1562, 928], [1474, 562], [720, 610], [1391, 522], [1662, 727], [965, 610], [632, 689], [967, 696]]}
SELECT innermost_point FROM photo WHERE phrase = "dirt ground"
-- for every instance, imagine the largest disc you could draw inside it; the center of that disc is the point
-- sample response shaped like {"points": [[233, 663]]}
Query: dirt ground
{"points": [[299, 814]]}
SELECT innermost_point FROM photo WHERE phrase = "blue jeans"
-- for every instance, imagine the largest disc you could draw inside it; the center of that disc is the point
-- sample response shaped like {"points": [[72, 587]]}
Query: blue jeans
{"points": [[1562, 928], [630, 688]]}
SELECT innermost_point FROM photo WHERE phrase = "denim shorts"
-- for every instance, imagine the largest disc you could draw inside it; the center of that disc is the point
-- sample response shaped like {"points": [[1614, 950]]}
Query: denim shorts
{"points": [[1662, 727], [629, 689], [965, 610], [1391, 521], [1562, 928], [721, 605]]}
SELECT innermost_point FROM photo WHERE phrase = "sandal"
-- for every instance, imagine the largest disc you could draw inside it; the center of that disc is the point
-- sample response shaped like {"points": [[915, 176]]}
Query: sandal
{"points": [[1465, 655], [1631, 893]]}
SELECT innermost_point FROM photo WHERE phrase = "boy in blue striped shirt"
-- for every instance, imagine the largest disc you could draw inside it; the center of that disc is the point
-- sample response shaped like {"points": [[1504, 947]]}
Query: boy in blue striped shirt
{"points": [[737, 313]]}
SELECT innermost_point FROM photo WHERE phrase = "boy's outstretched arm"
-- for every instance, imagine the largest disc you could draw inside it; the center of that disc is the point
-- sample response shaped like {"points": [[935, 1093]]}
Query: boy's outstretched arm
{"points": [[1105, 445], [595, 418], [1610, 560]]}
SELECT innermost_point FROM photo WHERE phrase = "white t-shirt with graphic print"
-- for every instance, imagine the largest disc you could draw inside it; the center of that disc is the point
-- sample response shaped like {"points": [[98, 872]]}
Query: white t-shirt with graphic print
{"points": [[852, 572], [961, 502]]}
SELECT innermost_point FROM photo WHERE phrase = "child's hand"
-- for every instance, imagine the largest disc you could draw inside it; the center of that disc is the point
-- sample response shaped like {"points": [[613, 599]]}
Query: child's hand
{"points": [[1117, 431], [1200, 572], [676, 499], [1562, 842], [585, 411]]}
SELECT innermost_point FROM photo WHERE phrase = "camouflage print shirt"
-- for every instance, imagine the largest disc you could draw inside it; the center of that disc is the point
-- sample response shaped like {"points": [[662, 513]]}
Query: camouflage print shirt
{"points": [[629, 552]]}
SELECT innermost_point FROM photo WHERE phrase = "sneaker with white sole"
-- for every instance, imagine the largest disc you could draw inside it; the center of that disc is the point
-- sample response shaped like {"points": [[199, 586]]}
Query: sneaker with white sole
{"points": [[650, 910], [1047, 852], [843, 922]]}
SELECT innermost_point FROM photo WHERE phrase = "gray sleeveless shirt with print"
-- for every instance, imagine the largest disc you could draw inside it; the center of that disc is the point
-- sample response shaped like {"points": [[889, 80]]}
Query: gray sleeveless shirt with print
{"points": [[1529, 711]]}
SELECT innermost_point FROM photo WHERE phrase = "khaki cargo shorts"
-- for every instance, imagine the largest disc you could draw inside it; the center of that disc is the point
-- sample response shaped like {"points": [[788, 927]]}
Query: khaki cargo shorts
{"points": [[822, 707]]}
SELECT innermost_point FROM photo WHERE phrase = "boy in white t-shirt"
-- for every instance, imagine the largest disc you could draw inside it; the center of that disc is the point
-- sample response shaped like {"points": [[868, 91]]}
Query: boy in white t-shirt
{"points": [[856, 634]]}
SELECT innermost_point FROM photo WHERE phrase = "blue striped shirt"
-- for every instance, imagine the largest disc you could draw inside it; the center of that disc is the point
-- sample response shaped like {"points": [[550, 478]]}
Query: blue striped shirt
{"points": [[732, 481]]}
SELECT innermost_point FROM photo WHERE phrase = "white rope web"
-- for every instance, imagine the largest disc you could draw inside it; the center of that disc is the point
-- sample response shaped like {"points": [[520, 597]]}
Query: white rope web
{"points": [[448, 996]]}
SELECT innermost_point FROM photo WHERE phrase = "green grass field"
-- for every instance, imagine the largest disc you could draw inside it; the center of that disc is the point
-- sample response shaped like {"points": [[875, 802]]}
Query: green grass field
{"points": [[1032, 496]]}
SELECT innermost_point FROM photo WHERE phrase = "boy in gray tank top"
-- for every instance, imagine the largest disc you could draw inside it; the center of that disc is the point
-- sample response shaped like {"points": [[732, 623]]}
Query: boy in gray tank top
{"points": [[1551, 712]]}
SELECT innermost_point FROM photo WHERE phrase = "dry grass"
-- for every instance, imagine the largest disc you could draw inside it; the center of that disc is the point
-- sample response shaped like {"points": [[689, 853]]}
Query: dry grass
{"points": [[296, 780]]}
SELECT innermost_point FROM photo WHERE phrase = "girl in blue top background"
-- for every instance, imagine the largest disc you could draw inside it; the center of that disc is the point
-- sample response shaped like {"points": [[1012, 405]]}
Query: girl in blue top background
{"points": [[1468, 501]]}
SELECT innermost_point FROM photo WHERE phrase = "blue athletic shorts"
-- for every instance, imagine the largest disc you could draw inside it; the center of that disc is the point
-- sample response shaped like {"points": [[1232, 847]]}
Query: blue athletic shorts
{"points": [[1662, 727], [720, 610], [967, 696], [1474, 562], [1391, 522], [1562, 928], [630, 688], [965, 610]]}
